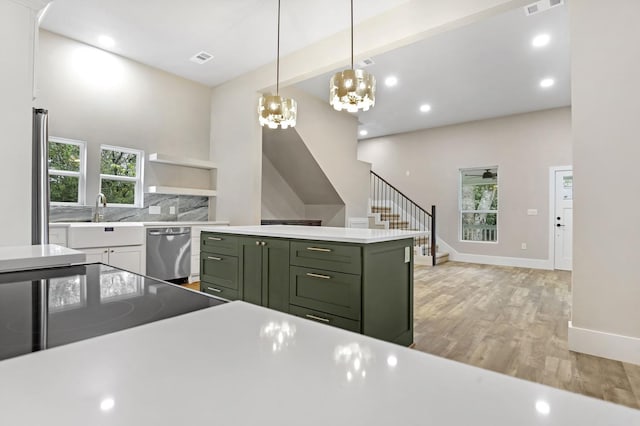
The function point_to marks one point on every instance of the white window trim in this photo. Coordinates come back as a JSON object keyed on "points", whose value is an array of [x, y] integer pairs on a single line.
{"points": [[461, 211], [139, 179], [81, 173]]}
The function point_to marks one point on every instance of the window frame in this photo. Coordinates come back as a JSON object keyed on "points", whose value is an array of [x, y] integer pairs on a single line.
{"points": [[461, 212], [81, 174], [138, 197]]}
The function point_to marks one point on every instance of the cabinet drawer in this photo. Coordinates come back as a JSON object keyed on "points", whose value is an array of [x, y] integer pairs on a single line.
{"points": [[219, 243], [325, 291], [321, 255], [219, 270], [218, 291], [324, 318]]}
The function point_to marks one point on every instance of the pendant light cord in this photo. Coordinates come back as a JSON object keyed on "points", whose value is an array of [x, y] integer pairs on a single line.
{"points": [[351, 34], [278, 55]]}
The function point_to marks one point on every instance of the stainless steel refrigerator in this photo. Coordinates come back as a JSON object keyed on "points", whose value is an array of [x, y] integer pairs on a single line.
{"points": [[40, 178]]}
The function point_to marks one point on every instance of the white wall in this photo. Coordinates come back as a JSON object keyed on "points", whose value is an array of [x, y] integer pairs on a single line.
{"points": [[103, 98], [279, 201], [605, 88], [16, 89], [522, 146], [235, 132]]}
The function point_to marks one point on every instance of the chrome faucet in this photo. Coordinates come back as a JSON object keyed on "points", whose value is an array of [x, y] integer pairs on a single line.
{"points": [[100, 199]]}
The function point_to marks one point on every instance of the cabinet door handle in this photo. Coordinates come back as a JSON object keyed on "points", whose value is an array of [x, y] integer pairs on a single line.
{"points": [[214, 258], [106, 251], [324, 250], [313, 317], [217, 290], [214, 238], [324, 277], [257, 243], [112, 251], [263, 243]]}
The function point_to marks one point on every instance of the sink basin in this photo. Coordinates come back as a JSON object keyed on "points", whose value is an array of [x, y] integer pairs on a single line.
{"points": [[105, 234]]}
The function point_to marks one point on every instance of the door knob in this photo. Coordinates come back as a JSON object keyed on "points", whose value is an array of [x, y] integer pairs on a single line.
{"points": [[263, 243], [257, 243]]}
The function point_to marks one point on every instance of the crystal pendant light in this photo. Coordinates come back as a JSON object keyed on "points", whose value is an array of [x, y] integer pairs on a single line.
{"points": [[352, 89], [274, 110]]}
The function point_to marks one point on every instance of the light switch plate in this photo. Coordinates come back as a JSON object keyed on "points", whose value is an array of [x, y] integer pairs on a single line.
{"points": [[532, 212], [172, 210], [407, 254], [155, 210]]}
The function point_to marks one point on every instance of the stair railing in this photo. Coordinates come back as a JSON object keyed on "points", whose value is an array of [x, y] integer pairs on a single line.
{"points": [[403, 213]]}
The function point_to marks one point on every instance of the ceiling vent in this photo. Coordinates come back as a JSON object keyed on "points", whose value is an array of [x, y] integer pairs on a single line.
{"points": [[541, 6], [365, 63], [201, 57]]}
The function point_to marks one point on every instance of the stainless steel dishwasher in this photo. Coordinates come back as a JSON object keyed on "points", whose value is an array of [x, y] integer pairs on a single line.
{"points": [[169, 253]]}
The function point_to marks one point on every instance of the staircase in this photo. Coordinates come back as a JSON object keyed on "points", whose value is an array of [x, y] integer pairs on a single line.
{"points": [[391, 209]]}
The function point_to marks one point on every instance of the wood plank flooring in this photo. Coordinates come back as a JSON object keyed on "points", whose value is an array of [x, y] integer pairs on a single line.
{"points": [[513, 321]]}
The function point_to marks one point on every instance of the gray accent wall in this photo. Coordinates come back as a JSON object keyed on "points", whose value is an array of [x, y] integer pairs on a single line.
{"points": [[187, 208]]}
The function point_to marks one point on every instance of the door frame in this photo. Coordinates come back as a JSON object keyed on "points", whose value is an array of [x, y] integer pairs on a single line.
{"points": [[552, 211]]}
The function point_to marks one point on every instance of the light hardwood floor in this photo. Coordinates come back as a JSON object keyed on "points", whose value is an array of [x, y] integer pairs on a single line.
{"points": [[513, 321]]}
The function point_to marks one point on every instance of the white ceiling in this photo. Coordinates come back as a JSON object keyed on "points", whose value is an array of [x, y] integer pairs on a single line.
{"points": [[487, 69], [241, 34]]}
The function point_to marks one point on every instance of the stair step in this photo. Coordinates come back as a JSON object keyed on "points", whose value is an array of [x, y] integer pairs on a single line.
{"points": [[442, 257], [389, 216], [380, 209], [398, 224]]}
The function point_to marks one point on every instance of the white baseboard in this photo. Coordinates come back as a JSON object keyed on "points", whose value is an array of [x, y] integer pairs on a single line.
{"points": [[519, 262], [605, 345]]}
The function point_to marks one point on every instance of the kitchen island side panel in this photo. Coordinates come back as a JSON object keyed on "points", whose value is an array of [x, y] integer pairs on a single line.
{"points": [[387, 291]]}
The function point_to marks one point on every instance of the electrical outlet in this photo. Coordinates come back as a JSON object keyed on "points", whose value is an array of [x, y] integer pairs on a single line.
{"points": [[523, 246], [172, 210], [532, 212], [155, 210]]}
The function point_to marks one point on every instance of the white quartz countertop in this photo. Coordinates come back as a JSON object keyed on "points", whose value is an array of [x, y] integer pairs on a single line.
{"points": [[38, 256], [322, 233], [134, 224], [240, 364]]}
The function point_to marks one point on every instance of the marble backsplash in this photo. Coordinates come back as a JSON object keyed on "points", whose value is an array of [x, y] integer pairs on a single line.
{"points": [[187, 208]]}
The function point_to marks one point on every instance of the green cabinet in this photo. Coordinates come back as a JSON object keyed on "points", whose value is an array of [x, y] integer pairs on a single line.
{"points": [[264, 271], [365, 288]]}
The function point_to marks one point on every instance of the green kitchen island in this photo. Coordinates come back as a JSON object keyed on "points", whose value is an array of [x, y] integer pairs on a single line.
{"points": [[356, 279]]}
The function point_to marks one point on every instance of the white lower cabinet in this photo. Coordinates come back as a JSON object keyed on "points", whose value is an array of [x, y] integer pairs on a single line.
{"points": [[127, 257]]}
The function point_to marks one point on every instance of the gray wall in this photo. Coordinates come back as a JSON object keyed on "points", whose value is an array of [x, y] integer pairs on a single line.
{"points": [[16, 45], [279, 200], [605, 88], [523, 146], [103, 98]]}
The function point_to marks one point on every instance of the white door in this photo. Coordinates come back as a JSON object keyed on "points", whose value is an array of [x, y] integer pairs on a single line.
{"points": [[127, 258], [563, 220], [96, 255]]}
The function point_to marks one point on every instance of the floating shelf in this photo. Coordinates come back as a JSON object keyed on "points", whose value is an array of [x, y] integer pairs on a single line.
{"points": [[156, 157], [181, 191]]}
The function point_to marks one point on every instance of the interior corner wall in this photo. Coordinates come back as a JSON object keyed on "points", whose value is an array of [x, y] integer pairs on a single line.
{"points": [[425, 165], [236, 139], [605, 84], [329, 214], [17, 23], [279, 201], [331, 138], [103, 98]]}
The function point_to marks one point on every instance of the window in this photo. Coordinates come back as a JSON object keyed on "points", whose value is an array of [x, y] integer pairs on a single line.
{"points": [[67, 170], [479, 204], [121, 175]]}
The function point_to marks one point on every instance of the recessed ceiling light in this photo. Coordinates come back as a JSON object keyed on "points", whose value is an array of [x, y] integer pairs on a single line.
{"points": [[391, 81], [541, 40], [106, 41], [363, 133], [547, 82], [425, 108]]}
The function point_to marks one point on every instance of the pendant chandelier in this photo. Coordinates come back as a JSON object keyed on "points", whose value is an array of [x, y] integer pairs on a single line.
{"points": [[352, 89], [274, 110]]}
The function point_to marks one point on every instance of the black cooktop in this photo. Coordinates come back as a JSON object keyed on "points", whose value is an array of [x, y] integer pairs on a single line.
{"points": [[44, 308]]}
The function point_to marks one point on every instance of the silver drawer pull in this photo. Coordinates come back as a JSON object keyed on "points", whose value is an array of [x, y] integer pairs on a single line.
{"points": [[313, 317], [214, 258], [324, 277], [214, 238], [217, 290], [324, 250]]}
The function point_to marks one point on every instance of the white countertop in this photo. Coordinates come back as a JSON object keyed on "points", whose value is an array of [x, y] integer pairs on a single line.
{"points": [[39, 256], [322, 233], [165, 223], [240, 364]]}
